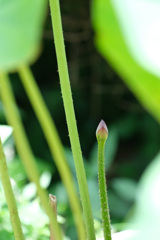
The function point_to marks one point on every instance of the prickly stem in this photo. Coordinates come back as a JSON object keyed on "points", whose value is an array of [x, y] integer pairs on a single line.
{"points": [[102, 135]]}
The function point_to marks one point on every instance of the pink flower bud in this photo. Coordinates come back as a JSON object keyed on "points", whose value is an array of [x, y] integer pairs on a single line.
{"points": [[102, 131]]}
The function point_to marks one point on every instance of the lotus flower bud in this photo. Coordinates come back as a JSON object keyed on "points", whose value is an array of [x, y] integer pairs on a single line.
{"points": [[102, 131]]}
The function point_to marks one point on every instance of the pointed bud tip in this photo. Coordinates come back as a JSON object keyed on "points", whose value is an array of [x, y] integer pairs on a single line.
{"points": [[102, 131]]}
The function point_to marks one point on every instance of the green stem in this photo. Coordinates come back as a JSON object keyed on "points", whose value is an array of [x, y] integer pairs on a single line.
{"points": [[103, 191], [24, 149], [10, 197], [70, 116], [54, 143]]}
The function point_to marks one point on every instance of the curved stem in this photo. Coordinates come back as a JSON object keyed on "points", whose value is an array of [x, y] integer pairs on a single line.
{"points": [[17, 229], [70, 116], [24, 149], [54, 143]]}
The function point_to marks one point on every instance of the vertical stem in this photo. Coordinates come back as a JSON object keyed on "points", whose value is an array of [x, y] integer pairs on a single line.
{"points": [[70, 116], [53, 204], [54, 143], [17, 229], [102, 134], [24, 149], [103, 192]]}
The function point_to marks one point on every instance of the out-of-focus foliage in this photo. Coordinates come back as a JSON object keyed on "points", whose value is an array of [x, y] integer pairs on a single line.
{"points": [[147, 208], [33, 218], [21, 25], [97, 93], [110, 41], [139, 21], [5, 132], [111, 44]]}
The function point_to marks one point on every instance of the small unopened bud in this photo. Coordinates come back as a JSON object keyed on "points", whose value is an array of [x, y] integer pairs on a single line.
{"points": [[102, 131]]}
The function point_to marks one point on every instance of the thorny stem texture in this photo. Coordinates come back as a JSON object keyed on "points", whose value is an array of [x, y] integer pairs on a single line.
{"points": [[54, 143], [24, 149], [70, 116], [17, 229], [103, 191]]}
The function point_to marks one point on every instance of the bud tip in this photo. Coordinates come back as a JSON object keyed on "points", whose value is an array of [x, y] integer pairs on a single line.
{"points": [[102, 131]]}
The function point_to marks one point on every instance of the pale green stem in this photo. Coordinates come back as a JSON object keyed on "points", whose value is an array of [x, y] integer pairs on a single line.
{"points": [[54, 143], [70, 116], [16, 225], [24, 149], [103, 191]]}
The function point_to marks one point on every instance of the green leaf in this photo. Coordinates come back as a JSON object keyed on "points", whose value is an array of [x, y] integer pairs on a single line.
{"points": [[21, 25], [110, 43], [5, 132], [125, 188], [139, 21], [118, 207], [147, 211]]}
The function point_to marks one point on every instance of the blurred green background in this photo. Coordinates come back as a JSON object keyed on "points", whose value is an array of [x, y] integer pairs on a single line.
{"points": [[99, 92]]}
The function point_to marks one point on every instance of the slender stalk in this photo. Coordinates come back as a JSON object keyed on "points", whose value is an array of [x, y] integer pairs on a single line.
{"points": [[53, 204], [24, 149], [102, 134], [16, 225], [54, 143], [70, 116]]}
